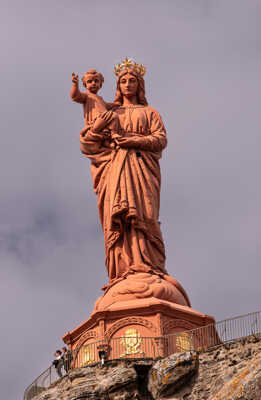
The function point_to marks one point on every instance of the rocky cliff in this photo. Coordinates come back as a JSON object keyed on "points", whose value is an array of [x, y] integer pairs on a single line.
{"points": [[227, 372]]}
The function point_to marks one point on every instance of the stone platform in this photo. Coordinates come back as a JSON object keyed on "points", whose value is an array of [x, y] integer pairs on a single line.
{"points": [[138, 307]]}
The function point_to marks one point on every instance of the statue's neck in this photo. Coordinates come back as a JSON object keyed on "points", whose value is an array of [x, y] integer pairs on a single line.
{"points": [[127, 101]]}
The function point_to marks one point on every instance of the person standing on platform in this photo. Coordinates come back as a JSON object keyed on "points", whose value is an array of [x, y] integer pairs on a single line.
{"points": [[58, 362], [67, 359]]}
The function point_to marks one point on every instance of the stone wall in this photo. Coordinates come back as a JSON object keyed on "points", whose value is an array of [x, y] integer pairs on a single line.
{"points": [[228, 372]]}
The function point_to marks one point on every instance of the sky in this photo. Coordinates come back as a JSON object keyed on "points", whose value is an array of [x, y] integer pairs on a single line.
{"points": [[203, 62]]}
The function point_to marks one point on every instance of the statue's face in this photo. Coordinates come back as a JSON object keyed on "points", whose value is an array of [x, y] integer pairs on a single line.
{"points": [[93, 83], [128, 85]]}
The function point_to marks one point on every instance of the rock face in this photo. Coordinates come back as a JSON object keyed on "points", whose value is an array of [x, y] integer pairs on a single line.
{"points": [[117, 381], [169, 374], [228, 372]]}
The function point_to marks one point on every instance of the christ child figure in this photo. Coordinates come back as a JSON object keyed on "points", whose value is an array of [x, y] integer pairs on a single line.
{"points": [[97, 114]]}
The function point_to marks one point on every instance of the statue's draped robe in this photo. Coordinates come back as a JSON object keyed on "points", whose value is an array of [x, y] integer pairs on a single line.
{"points": [[127, 183]]}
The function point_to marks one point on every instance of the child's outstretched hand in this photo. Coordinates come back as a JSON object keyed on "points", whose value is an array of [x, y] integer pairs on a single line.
{"points": [[75, 79]]}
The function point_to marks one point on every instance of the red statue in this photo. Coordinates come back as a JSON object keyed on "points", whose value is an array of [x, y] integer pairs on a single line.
{"points": [[124, 141]]}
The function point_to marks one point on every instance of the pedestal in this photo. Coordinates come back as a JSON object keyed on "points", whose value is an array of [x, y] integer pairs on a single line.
{"points": [[127, 326]]}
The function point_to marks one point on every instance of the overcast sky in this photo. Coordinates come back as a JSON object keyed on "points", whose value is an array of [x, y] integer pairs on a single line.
{"points": [[203, 60]]}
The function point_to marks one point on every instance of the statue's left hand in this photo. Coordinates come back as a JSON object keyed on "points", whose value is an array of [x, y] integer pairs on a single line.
{"points": [[128, 142]]}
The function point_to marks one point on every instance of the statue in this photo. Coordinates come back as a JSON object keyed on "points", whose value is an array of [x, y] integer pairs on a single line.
{"points": [[95, 111], [124, 141]]}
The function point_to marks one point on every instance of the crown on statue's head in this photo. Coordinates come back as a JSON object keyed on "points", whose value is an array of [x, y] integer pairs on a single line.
{"points": [[129, 64]]}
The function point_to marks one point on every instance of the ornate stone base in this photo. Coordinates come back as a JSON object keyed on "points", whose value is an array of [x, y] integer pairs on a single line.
{"points": [[121, 327], [142, 285]]}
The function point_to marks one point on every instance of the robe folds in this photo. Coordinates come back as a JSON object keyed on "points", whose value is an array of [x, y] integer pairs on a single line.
{"points": [[127, 183]]}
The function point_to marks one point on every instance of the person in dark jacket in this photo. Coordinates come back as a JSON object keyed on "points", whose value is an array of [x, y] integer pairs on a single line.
{"points": [[67, 358]]}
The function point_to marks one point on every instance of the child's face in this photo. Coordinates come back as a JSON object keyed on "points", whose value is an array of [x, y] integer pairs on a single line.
{"points": [[93, 84]]}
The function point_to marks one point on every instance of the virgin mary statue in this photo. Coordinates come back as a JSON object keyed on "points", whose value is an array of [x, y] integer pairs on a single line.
{"points": [[126, 178]]}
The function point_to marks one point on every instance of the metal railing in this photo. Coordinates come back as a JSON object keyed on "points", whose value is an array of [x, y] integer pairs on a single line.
{"points": [[41, 383], [239, 327], [137, 347], [131, 347]]}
